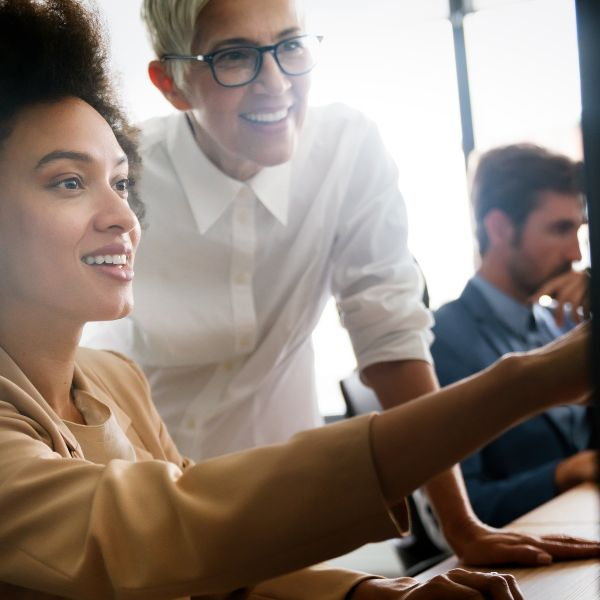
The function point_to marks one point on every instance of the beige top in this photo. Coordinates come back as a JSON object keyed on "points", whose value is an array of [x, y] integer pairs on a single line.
{"points": [[101, 438], [161, 527]]}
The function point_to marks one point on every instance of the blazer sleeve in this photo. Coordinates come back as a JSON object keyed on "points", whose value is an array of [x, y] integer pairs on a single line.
{"points": [[500, 501], [153, 530], [450, 364], [320, 582]]}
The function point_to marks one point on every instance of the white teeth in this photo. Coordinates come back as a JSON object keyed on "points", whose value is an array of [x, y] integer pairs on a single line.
{"points": [[108, 259], [267, 117]]}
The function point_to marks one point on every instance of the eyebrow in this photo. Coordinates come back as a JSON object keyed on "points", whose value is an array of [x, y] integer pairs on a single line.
{"points": [[247, 42], [70, 155]]}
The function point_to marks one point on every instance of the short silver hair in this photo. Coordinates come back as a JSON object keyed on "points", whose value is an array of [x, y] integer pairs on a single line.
{"points": [[171, 25]]}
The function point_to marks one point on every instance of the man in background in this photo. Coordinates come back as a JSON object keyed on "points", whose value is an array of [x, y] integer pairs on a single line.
{"points": [[528, 209]]}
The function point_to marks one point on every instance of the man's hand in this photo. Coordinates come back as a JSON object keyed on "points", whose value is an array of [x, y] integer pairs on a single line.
{"points": [[576, 469], [456, 584], [483, 545], [570, 291]]}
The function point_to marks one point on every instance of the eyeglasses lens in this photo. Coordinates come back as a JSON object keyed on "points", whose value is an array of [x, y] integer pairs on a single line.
{"points": [[298, 56], [239, 66]]}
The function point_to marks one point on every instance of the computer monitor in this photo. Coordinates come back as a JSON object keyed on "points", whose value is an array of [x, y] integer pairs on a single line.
{"points": [[588, 33]]}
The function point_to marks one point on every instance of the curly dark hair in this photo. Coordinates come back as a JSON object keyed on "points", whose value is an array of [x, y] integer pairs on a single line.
{"points": [[54, 49], [511, 179]]}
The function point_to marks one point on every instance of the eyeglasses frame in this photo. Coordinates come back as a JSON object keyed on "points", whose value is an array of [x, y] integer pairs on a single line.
{"points": [[272, 48]]}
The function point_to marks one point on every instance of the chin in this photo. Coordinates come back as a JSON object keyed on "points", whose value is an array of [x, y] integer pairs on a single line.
{"points": [[113, 313], [278, 157]]}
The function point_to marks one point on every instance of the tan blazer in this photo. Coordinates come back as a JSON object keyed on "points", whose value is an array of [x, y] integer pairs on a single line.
{"points": [[167, 528]]}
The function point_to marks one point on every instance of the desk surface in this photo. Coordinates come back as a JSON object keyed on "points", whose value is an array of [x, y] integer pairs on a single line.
{"points": [[576, 512]]}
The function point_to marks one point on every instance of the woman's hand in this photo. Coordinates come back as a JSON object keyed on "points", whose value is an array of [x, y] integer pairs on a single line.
{"points": [[560, 371], [482, 545], [453, 585]]}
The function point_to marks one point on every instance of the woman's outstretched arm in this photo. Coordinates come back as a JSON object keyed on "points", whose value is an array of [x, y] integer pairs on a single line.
{"points": [[415, 441]]}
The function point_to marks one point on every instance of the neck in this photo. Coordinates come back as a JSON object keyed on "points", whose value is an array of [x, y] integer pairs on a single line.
{"points": [[494, 272], [44, 349]]}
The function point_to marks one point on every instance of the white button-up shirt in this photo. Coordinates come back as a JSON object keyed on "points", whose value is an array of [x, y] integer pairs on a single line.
{"points": [[231, 278]]}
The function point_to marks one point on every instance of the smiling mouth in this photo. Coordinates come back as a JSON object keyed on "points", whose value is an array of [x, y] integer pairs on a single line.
{"points": [[106, 259], [266, 117]]}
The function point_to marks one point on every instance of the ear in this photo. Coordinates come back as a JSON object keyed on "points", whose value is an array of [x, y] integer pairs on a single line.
{"points": [[499, 227], [164, 82]]}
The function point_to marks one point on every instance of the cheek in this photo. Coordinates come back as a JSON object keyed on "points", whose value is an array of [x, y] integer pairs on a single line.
{"points": [[215, 105], [301, 86], [51, 241], [17, 232], [135, 236]]}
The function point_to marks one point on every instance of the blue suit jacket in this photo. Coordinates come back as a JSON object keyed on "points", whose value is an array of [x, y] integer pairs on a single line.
{"points": [[515, 473]]}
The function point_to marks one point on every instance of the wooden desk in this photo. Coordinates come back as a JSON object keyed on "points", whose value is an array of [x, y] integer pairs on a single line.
{"points": [[576, 512]]}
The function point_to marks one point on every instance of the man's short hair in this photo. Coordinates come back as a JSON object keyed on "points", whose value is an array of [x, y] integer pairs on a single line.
{"points": [[511, 179]]}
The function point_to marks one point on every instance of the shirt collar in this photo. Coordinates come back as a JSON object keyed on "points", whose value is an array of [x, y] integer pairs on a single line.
{"points": [[209, 191], [513, 314], [271, 186]]}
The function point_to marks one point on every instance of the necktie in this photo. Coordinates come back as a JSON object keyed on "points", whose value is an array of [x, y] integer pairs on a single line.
{"points": [[538, 333]]}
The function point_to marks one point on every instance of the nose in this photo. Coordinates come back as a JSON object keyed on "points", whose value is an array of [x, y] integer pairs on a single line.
{"points": [[271, 79], [114, 213]]}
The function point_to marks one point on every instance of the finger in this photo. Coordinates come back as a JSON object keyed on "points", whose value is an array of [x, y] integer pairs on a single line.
{"points": [[572, 291], [442, 587], [514, 588], [498, 586], [571, 280], [573, 298], [569, 292], [516, 553], [568, 539], [559, 314], [530, 550], [565, 550]]}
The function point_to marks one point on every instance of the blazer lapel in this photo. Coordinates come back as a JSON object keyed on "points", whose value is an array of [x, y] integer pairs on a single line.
{"points": [[503, 340], [496, 334], [97, 392], [28, 401]]}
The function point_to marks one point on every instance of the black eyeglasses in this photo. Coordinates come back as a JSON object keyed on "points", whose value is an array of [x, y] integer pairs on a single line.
{"points": [[237, 66]]}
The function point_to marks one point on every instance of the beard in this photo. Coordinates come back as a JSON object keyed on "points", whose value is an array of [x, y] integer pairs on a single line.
{"points": [[527, 277]]}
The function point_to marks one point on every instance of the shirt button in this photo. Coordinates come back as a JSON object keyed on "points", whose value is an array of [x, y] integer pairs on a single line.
{"points": [[241, 278], [227, 366], [245, 342], [190, 423]]}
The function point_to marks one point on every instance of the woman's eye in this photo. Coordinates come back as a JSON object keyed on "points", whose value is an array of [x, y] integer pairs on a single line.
{"points": [[123, 185], [291, 46], [234, 57], [71, 183]]}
